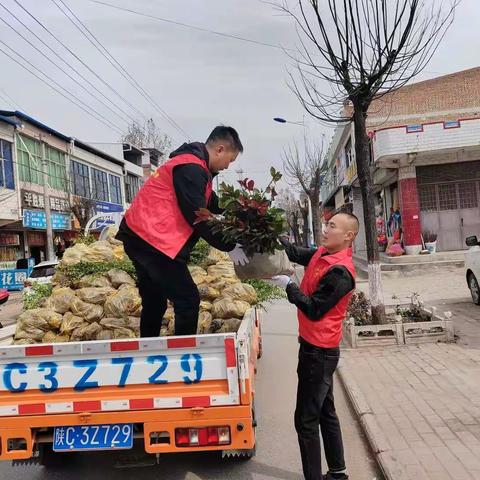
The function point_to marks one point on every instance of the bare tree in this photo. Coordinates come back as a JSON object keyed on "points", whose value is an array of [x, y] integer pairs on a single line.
{"points": [[147, 135], [354, 52], [286, 201], [307, 171], [84, 209]]}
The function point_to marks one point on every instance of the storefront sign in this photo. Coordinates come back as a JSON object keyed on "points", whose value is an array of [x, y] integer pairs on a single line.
{"points": [[13, 279], [37, 200], [105, 207], [37, 219], [9, 239]]}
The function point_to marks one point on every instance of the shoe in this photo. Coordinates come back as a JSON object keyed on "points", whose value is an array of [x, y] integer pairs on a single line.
{"points": [[341, 476]]}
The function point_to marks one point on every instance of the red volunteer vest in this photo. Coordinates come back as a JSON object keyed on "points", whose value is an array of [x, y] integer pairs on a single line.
{"points": [[155, 215], [326, 332]]}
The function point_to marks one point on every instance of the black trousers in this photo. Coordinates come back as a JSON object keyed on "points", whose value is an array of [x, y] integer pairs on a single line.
{"points": [[315, 407], [160, 279]]}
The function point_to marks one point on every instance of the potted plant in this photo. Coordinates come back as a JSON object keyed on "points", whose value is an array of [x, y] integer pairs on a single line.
{"points": [[251, 220], [430, 240]]}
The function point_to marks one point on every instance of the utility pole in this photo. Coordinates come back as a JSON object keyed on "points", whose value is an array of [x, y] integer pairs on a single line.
{"points": [[48, 213], [240, 173]]}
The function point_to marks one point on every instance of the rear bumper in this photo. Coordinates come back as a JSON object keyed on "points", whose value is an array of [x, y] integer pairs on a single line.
{"points": [[39, 429]]}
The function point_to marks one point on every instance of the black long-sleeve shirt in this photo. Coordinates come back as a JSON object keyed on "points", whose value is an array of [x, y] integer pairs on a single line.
{"points": [[190, 182], [332, 287]]}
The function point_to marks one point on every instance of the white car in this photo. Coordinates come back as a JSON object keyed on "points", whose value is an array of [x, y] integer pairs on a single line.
{"points": [[472, 268], [41, 273]]}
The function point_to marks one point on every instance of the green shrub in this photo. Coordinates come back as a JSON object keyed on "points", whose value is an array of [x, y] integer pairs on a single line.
{"points": [[265, 291], [82, 269], [35, 297], [199, 253]]}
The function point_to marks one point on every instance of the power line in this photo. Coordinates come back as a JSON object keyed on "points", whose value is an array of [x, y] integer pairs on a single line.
{"points": [[193, 27], [114, 62], [68, 65], [54, 63], [105, 121], [83, 62]]}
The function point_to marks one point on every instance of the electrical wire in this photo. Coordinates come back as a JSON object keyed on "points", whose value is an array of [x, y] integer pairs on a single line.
{"points": [[114, 62], [133, 107], [79, 105], [122, 118], [193, 27]]}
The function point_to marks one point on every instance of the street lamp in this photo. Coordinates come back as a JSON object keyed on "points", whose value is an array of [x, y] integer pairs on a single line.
{"points": [[282, 120], [303, 196]]}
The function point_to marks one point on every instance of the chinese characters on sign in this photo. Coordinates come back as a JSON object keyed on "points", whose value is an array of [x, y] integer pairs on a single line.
{"points": [[37, 219], [9, 239], [37, 200], [13, 279]]}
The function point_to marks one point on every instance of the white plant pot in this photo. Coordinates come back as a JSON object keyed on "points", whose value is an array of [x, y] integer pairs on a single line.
{"points": [[413, 249], [431, 246]]}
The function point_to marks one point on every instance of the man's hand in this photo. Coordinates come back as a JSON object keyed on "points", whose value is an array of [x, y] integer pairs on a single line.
{"points": [[237, 256], [280, 280]]}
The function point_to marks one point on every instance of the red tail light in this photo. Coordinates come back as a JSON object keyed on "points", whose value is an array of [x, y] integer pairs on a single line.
{"points": [[202, 437]]}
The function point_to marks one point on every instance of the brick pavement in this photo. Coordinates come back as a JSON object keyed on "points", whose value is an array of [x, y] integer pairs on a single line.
{"points": [[420, 408]]}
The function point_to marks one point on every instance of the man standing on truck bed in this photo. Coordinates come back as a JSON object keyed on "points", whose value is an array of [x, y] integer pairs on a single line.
{"points": [[158, 230], [322, 301]]}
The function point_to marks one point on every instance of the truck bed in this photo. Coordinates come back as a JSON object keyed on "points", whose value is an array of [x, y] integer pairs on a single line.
{"points": [[157, 384]]}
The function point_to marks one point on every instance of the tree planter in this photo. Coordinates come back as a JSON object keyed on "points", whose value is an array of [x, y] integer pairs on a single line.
{"points": [[265, 266], [413, 249], [439, 329]]}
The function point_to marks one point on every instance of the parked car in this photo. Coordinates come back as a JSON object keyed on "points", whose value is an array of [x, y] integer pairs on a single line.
{"points": [[41, 273], [472, 268]]}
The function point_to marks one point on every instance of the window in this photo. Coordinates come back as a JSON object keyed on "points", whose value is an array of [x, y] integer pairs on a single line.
{"points": [[348, 153], [132, 184], [100, 185], [80, 179], [414, 128], [115, 189], [57, 171], [6, 165], [29, 153]]}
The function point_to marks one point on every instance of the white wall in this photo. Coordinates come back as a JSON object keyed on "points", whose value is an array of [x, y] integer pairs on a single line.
{"points": [[396, 141]]}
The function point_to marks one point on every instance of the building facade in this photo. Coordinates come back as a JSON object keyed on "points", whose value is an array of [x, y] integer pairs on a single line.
{"points": [[425, 157], [77, 175]]}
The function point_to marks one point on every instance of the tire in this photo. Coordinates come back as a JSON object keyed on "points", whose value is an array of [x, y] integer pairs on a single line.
{"points": [[49, 459], [474, 288]]}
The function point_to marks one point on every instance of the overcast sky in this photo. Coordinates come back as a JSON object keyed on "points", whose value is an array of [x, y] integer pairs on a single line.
{"points": [[198, 78]]}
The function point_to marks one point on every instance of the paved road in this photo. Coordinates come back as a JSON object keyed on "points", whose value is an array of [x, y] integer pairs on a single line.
{"points": [[277, 456]]}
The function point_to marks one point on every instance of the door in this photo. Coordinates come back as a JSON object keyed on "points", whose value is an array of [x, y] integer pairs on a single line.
{"points": [[468, 193]]}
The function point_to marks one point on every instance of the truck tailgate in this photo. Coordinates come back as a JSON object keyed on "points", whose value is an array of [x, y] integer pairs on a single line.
{"points": [[142, 374]]}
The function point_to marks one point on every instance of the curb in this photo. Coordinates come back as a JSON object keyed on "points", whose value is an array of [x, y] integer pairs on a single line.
{"points": [[385, 456]]}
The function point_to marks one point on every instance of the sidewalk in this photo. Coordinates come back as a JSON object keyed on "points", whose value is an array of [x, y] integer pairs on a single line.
{"points": [[420, 408]]}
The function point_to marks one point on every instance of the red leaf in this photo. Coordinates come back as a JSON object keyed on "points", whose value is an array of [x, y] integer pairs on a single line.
{"points": [[250, 185]]}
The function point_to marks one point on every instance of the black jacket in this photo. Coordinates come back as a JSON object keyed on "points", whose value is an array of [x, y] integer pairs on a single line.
{"points": [[190, 182], [333, 286]]}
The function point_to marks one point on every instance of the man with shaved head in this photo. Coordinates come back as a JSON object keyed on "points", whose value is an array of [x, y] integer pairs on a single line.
{"points": [[322, 301]]}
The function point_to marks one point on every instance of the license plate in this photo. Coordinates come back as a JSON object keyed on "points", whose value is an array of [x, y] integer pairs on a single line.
{"points": [[93, 437]]}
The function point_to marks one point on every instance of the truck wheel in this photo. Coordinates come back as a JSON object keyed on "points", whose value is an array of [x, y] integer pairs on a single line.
{"points": [[48, 458]]}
